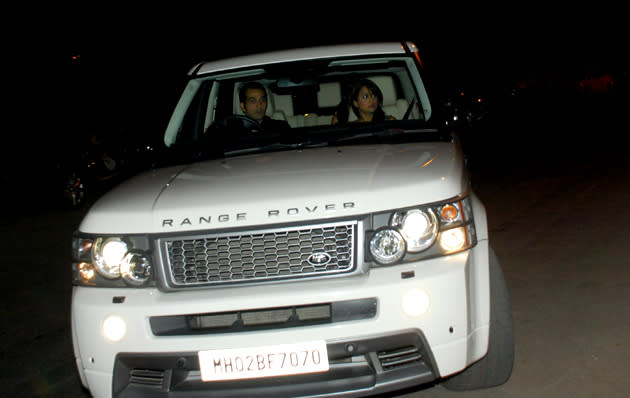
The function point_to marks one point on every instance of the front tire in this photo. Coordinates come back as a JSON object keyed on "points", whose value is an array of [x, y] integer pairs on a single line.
{"points": [[495, 368]]}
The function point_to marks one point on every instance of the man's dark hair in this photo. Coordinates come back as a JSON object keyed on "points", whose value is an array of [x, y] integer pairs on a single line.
{"points": [[242, 93]]}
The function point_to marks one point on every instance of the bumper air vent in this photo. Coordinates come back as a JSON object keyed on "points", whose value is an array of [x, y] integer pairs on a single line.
{"points": [[147, 378], [399, 357]]}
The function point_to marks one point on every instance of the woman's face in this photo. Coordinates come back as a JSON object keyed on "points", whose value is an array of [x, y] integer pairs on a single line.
{"points": [[367, 101]]}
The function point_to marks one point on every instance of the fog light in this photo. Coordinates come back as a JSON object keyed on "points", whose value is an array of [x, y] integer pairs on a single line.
{"points": [[114, 328], [453, 239], [415, 302]]}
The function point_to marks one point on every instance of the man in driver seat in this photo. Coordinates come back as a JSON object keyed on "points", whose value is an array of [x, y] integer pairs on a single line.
{"points": [[253, 99]]}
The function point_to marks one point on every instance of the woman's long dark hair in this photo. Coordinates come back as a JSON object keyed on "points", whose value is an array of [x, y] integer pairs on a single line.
{"points": [[352, 94], [379, 115]]}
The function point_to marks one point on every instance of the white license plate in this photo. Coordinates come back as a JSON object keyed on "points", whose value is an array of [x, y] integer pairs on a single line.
{"points": [[265, 361]]}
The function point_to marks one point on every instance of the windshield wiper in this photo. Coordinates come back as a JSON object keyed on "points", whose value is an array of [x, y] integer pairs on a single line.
{"points": [[273, 147], [342, 136], [380, 133], [371, 134], [262, 148]]}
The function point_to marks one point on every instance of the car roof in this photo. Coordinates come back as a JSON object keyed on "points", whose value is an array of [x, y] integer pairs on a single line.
{"points": [[302, 54]]}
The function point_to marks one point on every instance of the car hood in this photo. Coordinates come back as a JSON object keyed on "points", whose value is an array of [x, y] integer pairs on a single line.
{"points": [[281, 187]]}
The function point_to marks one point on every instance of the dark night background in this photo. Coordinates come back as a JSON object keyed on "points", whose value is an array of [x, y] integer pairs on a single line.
{"points": [[117, 73], [550, 156]]}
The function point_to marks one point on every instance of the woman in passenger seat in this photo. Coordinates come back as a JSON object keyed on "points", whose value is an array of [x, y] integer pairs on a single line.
{"points": [[365, 101]]}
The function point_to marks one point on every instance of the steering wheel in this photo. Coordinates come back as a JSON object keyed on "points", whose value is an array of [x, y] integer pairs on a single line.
{"points": [[239, 122]]}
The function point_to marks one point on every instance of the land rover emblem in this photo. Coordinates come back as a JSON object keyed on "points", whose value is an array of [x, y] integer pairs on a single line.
{"points": [[319, 259]]}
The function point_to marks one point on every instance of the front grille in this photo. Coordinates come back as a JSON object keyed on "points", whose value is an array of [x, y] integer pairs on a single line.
{"points": [[257, 256]]}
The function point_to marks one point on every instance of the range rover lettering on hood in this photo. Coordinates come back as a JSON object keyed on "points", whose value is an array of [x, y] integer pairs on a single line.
{"points": [[242, 216]]}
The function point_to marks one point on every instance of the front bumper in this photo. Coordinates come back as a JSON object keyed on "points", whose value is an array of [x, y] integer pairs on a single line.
{"points": [[358, 367], [449, 336]]}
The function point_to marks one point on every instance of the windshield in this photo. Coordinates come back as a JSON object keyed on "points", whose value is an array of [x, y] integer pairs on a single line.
{"points": [[300, 104]]}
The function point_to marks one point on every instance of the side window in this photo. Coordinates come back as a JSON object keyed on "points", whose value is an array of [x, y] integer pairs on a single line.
{"points": [[423, 105], [197, 116], [225, 96], [413, 106]]}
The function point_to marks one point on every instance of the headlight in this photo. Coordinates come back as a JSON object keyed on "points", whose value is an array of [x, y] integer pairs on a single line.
{"points": [[107, 255], [418, 227], [387, 246], [136, 269], [111, 261], [411, 234], [453, 239]]}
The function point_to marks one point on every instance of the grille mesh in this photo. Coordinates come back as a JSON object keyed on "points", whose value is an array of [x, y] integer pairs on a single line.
{"points": [[258, 256]]}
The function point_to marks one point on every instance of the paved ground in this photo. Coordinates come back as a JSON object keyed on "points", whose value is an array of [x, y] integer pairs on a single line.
{"points": [[36, 357], [562, 242], [560, 234]]}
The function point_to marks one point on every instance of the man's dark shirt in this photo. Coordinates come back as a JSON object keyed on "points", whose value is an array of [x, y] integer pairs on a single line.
{"points": [[274, 125]]}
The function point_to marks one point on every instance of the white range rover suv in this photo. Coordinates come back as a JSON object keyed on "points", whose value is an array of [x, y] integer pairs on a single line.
{"points": [[333, 248]]}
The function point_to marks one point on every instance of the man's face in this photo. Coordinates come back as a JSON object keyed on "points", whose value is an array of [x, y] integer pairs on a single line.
{"points": [[255, 104]]}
